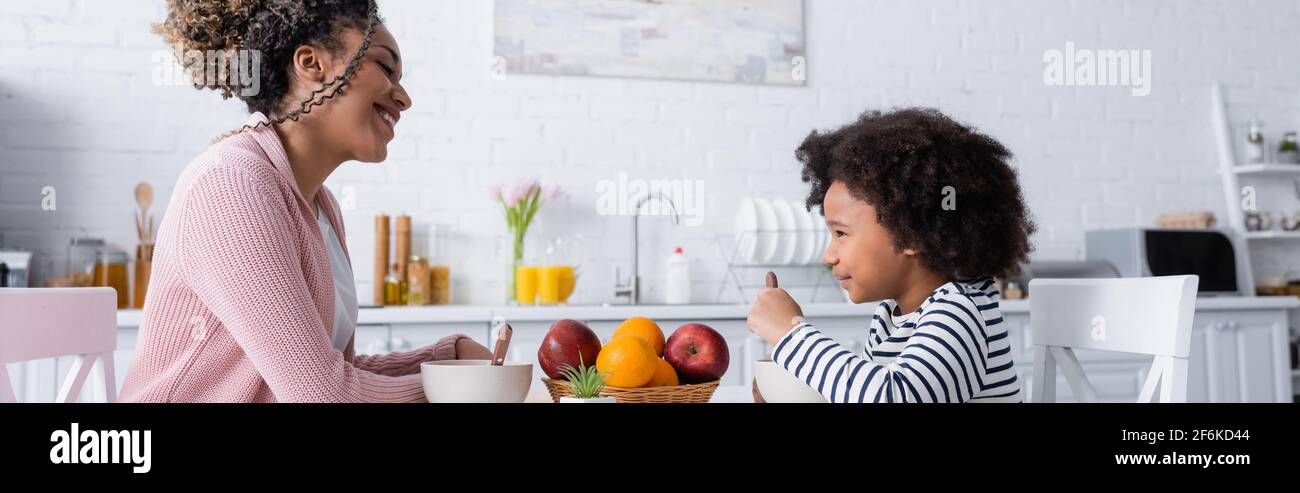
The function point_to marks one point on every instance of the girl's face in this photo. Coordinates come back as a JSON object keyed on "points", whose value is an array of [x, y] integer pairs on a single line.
{"points": [[861, 252], [361, 119]]}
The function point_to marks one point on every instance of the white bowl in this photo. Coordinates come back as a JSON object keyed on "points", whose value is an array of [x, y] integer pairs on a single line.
{"points": [[476, 380], [778, 385]]}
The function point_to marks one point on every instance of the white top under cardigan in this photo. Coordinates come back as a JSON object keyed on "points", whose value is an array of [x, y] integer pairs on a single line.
{"points": [[345, 288]]}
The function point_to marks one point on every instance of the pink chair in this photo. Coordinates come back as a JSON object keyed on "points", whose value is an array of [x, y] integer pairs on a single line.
{"points": [[40, 323]]}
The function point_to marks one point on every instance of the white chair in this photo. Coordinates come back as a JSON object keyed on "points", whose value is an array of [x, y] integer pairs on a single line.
{"points": [[40, 323], [1151, 315]]}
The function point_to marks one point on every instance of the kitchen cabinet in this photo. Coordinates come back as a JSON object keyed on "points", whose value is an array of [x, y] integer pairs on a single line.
{"points": [[406, 337], [1239, 357], [372, 339]]}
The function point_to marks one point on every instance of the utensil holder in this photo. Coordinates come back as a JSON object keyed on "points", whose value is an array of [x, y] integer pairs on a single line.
{"points": [[143, 265]]}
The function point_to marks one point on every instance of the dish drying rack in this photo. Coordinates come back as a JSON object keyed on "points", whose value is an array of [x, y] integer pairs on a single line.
{"points": [[730, 248]]}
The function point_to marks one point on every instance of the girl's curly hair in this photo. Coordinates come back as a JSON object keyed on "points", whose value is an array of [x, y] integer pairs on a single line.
{"points": [[274, 28], [903, 163]]}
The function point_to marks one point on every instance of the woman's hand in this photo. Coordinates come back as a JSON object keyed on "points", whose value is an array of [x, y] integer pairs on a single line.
{"points": [[467, 348], [773, 314]]}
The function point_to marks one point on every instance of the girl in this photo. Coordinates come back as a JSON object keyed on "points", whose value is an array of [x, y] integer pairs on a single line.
{"points": [[923, 213]]}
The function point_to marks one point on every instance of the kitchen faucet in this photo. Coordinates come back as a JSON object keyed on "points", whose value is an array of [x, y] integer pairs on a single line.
{"points": [[632, 290]]}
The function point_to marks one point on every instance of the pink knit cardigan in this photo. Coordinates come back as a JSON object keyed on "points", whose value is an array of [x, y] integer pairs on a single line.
{"points": [[241, 297]]}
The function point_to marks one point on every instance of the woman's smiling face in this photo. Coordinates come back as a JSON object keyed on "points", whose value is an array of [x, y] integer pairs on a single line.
{"points": [[363, 117]]}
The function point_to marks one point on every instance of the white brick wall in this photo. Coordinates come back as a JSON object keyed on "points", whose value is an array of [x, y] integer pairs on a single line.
{"points": [[78, 110]]}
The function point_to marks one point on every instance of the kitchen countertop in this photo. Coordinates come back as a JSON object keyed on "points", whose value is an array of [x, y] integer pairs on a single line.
{"points": [[482, 313]]}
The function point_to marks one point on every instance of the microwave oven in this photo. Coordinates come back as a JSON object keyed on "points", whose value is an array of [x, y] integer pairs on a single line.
{"points": [[1146, 252]]}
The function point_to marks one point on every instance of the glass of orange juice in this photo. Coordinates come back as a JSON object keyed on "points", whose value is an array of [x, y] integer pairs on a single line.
{"points": [[555, 284], [527, 278], [568, 281]]}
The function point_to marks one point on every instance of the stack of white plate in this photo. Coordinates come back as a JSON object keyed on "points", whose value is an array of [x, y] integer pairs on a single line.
{"points": [[778, 232]]}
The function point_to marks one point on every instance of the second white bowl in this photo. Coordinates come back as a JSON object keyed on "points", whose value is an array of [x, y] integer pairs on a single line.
{"points": [[778, 385]]}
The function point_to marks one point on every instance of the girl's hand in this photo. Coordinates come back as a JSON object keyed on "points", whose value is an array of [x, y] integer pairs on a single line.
{"points": [[467, 348], [773, 314]]}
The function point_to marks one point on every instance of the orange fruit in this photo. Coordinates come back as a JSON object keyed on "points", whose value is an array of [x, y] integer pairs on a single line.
{"points": [[665, 375], [646, 329], [627, 361]]}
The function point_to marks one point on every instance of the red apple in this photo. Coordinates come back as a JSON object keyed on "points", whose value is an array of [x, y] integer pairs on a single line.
{"points": [[698, 353], [569, 342]]}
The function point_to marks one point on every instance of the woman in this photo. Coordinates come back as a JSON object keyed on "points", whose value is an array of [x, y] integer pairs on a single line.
{"points": [[252, 297]]}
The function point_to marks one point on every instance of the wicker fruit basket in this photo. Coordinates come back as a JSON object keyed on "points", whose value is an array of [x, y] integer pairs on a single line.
{"points": [[698, 393]]}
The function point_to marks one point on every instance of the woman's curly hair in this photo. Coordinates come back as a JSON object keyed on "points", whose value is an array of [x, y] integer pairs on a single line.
{"points": [[275, 28], [902, 163]]}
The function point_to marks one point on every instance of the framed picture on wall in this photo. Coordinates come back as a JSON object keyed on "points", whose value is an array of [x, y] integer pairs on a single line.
{"points": [[753, 42]]}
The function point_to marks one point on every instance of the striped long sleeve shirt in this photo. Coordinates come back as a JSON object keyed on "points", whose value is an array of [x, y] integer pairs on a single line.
{"points": [[953, 348]]}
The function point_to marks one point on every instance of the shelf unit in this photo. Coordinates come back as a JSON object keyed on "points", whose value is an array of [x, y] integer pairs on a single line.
{"points": [[1233, 173], [1266, 169], [1272, 235]]}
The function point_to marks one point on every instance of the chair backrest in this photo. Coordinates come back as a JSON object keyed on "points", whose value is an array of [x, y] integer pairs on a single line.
{"points": [[39, 323], [1149, 315]]}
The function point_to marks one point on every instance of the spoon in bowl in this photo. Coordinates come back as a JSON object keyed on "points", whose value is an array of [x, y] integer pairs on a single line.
{"points": [[502, 345]]}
